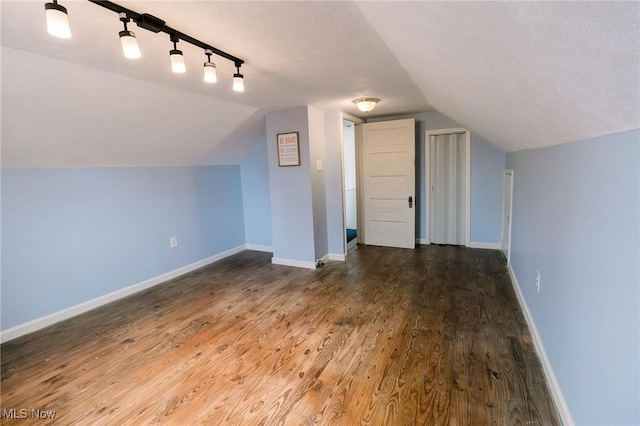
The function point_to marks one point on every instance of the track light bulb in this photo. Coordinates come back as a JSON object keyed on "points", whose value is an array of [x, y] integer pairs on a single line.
{"points": [[177, 61], [238, 82], [130, 46], [210, 75], [57, 20]]}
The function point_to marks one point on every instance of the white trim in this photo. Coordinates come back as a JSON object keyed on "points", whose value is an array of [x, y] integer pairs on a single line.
{"points": [[554, 387], [47, 320], [504, 181], [360, 219], [492, 246], [337, 256], [324, 258], [422, 241], [427, 139], [467, 236], [257, 247], [352, 118], [293, 262]]}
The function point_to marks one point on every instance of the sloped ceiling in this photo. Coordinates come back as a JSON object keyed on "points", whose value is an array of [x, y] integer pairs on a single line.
{"points": [[520, 74]]}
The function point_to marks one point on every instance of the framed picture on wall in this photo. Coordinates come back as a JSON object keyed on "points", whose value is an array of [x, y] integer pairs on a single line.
{"points": [[288, 149]]}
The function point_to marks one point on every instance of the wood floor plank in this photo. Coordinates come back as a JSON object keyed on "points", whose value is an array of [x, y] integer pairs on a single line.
{"points": [[431, 336]]}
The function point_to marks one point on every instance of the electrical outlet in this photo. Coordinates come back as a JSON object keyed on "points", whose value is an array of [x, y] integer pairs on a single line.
{"points": [[173, 242], [538, 281]]}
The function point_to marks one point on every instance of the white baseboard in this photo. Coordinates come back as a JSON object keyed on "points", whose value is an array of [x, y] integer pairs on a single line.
{"points": [[47, 320], [293, 262], [422, 241], [336, 256], [492, 246], [257, 247], [554, 387]]}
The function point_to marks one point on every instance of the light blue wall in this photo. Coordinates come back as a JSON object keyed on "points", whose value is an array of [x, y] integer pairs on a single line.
{"points": [[290, 188], [487, 173], [576, 210], [333, 181], [256, 196], [71, 235], [318, 186], [487, 168]]}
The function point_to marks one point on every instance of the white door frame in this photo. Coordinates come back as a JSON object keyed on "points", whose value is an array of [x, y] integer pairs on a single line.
{"points": [[508, 174], [427, 173], [355, 121]]}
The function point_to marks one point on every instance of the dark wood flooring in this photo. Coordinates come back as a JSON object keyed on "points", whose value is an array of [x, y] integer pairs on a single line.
{"points": [[432, 336]]}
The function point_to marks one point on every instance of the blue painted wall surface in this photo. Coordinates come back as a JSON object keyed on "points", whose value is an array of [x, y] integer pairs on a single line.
{"points": [[333, 181], [318, 183], [71, 235], [291, 190], [256, 196], [487, 163], [487, 173], [576, 210]]}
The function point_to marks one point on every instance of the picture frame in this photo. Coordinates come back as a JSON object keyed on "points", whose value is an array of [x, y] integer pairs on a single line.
{"points": [[288, 149]]}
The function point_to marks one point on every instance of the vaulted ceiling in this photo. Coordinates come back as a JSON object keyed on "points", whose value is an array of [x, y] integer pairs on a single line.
{"points": [[520, 74]]}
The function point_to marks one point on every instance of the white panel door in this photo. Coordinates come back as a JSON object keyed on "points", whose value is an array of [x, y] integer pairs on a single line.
{"points": [[389, 183], [507, 208]]}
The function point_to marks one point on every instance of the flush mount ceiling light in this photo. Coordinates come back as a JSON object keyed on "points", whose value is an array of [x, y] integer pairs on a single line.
{"points": [[58, 26], [57, 20], [366, 104]]}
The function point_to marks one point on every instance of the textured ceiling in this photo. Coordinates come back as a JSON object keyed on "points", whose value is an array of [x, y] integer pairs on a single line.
{"points": [[521, 74]]}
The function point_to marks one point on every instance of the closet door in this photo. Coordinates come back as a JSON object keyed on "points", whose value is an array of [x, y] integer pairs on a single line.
{"points": [[448, 178]]}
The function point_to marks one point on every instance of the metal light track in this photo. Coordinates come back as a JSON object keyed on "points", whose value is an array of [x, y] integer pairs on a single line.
{"points": [[156, 25]]}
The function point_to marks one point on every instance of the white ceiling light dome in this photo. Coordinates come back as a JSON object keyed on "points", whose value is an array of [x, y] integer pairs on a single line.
{"points": [[366, 104]]}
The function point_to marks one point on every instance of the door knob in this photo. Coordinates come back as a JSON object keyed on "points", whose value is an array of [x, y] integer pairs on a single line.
{"points": [[410, 202]]}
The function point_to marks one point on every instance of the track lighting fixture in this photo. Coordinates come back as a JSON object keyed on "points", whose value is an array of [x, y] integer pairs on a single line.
{"points": [[128, 40], [58, 25], [57, 20], [177, 60], [238, 80], [209, 68]]}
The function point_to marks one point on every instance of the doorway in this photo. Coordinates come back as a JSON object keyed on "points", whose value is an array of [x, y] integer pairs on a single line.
{"points": [[349, 187], [448, 178]]}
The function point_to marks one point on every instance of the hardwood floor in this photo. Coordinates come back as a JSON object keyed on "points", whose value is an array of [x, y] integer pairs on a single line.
{"points": [[390, 337]]}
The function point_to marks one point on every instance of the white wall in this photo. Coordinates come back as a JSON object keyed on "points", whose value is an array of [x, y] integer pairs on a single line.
{"points": [[59, 114]]}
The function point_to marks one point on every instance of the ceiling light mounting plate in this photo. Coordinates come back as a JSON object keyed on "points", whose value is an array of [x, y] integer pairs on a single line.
{"points": [[151, 23]]}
